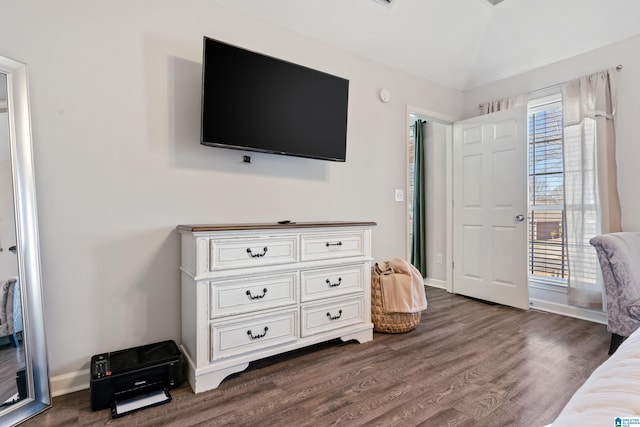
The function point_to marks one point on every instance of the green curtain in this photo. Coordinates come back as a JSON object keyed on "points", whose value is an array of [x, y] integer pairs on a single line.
{"points": [[419, 235]]}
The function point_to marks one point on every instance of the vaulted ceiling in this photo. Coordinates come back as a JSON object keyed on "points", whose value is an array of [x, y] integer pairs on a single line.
{"points": [[461, 44]]}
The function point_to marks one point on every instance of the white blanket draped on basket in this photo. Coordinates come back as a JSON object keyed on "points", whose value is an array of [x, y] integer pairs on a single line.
{"points": [[402, 287]]}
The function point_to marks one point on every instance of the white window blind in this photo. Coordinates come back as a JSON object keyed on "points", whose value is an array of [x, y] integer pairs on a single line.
{"points": [[547, 243]]}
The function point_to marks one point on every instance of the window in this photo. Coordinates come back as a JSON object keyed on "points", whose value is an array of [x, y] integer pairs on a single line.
{"points": [[547, 242]]}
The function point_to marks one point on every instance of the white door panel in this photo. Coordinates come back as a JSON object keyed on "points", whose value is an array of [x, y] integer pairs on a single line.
{"points": [[490, 191]]}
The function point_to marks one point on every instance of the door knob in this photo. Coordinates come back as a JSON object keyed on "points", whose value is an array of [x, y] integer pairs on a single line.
{"points": [[519, 218]]}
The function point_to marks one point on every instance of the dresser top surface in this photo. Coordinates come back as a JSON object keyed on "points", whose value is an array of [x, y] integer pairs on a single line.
{"points": [[194, 228]]}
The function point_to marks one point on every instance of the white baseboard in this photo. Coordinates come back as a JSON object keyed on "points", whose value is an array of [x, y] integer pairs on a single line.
{"points": [[569, 310], [68, 383], [435, 283]]}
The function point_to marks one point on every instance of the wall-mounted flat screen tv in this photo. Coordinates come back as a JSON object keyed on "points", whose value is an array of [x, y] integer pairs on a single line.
{"points": [[256, 102]]}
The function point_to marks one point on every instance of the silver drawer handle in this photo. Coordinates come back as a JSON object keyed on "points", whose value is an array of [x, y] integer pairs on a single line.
{"points": [[334, 317]]}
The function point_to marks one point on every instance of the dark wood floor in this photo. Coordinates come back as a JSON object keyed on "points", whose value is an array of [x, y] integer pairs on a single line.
{"points": [[11, 360], [467, 364]]}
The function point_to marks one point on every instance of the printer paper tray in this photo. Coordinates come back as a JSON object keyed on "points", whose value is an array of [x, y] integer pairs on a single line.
{"points": [[124, 407]]}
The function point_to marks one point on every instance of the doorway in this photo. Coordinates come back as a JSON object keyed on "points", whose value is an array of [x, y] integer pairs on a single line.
{"points": [[439, 197], [437, 142]]}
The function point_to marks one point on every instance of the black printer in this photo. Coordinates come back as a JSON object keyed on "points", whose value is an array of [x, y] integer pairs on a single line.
{"points": [[135, 378]]}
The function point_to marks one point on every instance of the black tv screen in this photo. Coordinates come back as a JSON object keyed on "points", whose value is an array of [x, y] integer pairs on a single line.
{"points": [[256, 102]]}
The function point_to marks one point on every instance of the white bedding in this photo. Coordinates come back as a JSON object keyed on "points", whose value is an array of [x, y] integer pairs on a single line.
{"points": [[612, 391]]}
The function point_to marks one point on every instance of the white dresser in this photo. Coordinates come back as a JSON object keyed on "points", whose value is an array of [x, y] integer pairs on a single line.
{"points": [[251, 291]]}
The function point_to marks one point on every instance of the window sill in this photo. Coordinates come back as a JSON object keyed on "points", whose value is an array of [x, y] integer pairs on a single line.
{"points": [[553, 285]]}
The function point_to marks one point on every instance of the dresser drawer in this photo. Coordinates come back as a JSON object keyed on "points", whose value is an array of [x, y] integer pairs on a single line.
{"points": [[326, 282], [255, 252], [332, 245], [331, 315], [244, 336], [251, 294]]}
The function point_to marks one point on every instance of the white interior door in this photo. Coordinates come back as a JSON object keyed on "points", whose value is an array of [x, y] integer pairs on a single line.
{"points": [[490, 207]]}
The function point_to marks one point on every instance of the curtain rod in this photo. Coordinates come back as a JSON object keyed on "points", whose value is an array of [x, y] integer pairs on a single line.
{"points": [[618, 68]]}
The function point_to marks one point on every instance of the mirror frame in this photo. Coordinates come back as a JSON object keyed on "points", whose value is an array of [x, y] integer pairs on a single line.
{"points": [[28, 246]]}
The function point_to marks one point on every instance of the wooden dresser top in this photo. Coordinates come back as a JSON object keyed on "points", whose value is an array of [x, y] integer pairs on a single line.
{"points": [[194, 228]]}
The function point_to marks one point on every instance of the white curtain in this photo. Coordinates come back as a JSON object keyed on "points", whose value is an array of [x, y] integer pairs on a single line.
{"points": [[592, 205], [502, 104]]}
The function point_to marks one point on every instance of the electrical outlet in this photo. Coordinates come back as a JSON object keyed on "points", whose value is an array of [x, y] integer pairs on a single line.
{"points": [[399, 195]]}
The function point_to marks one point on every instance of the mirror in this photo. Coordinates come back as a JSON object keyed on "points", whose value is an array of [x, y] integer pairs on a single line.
{"points": [[24, 373]]}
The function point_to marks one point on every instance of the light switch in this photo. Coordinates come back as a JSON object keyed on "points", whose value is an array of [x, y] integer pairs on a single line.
{"points": [[399, 195]]}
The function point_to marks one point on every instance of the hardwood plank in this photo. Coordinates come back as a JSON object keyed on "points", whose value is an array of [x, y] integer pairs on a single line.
{"points": [[11, 360], [468, 363]]}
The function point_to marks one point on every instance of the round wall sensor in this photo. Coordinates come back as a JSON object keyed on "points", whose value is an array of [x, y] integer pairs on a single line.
{"points": [[384, 95]]}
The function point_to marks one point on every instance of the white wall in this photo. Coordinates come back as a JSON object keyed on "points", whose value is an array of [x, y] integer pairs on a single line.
{"points": [[436, 209], [115, 92], [628, 146]]}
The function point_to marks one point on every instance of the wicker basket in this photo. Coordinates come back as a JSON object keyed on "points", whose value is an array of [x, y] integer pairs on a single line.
{"points": [[390, 323]]}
